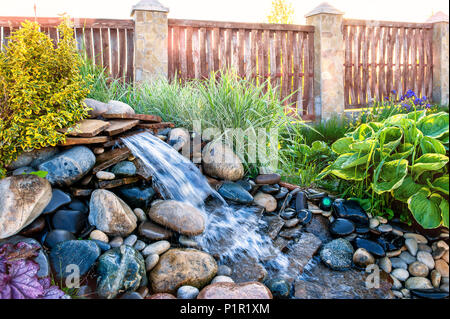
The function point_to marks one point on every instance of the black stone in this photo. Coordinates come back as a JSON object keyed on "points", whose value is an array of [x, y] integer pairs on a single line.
{"points": [[70, 220], [34, 228], [137, 196], [305, 216], [59, 199], [342, 227], [350, 209], [270, 189], [282, 193], [245, 185], [288, 213], [371, 246], [279, 288], [301, 201], [131, 295], [235, 192], [78, 205], [57, 236], [430, 293], [362, 230]]}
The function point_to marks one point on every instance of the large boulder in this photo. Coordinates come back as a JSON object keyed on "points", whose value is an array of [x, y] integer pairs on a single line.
{"points": [[220, 161], [69, 166], [96, 108], [120, 269], [181, 267], [229, 290], [22, 200], [82, 253], [117, 107], [110, 214], [178, 216]]}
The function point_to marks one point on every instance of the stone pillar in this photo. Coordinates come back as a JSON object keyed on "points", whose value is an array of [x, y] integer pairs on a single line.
{"points": [[150, 40], [328, 60], [440, 58]]}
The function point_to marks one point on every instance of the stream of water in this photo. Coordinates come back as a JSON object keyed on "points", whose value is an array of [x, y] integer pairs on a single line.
{"points": [[230, 232]]}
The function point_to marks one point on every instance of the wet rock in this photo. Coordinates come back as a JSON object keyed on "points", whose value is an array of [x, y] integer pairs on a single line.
{"points": [[180, 267], [274, 225], [130, 240], [23, 170], [177, 216], [363, 258], [288, 213], [245, 185], [152, 231], [246, 268], [438, 253], [23, 199], [110, 214], [305, 216], [224, 270], [426, 258], [371, 246], [120, 269], [430, 293], [139, 245], [418, 269], [279, 288], [270, 189], [268, 179], [187, 292], [57, 236], [82, 253], [342, 227], [34, 228], [161, 296], [235, 192], [291, 233], [131, 295], [223, 290], [117, 107], [124, 169], [70, 220], [385, 228], [292, 223], [116, 242], [79, 206], [324, 283], [140, 214], [419, 238], [220, 161], [102, 245], [436, 278], [68, 167], [178, 138], [418, 283], [281, 194], [188, 242], [265, 200], [157, 248], [337, 254], [319, 226], [59, 199], [351, 210], [41, 259]]}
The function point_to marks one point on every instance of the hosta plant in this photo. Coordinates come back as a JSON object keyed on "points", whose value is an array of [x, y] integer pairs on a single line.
{"points": [[18, 274], [401, 159]]}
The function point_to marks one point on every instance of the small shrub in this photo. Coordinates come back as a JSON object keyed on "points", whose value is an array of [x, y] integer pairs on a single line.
{"points": [[41, 90], [402, 159]]}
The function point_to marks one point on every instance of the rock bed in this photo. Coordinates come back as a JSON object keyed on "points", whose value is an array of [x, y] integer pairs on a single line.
{"points": [[136, 245]]}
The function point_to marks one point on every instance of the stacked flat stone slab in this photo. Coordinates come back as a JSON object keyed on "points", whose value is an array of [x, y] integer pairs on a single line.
{"points": [[329, 59], [150, 41]]}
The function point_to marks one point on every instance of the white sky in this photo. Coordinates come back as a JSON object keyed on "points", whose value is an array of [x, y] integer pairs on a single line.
{"points": [[228, 10]]}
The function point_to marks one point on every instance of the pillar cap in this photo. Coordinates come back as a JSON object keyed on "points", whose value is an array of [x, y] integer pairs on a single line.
{"points": [[149, 5], [438, 17], [324, 8]]}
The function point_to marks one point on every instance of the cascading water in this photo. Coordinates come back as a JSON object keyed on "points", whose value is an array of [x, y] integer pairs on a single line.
{"points": [[231, 232]]}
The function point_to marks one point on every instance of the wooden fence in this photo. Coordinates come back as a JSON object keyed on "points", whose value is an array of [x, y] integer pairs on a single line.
{"points": [[282, 54], [382, 57], [109, 43]]}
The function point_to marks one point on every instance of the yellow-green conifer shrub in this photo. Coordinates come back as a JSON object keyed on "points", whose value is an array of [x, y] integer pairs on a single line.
{"points": [[41, 90]]}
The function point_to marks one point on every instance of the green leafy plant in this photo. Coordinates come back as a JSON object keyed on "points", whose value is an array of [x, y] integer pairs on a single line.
{"points": [[41, 90], [401, 159], [41, 174]]}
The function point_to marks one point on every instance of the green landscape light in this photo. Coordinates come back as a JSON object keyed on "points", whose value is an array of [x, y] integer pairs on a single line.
{"points": [[325, 203]]}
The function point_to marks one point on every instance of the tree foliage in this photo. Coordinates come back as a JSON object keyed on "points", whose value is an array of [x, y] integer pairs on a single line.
{"points": [[282, 12]]}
